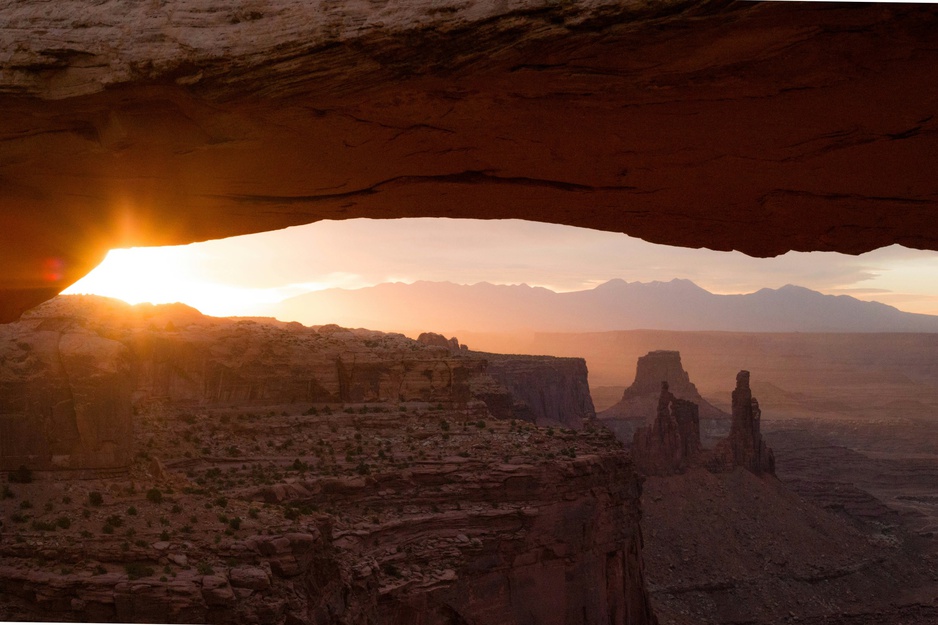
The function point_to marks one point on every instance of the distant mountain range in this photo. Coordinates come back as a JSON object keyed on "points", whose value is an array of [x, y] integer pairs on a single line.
{"points": [[614, 305]]}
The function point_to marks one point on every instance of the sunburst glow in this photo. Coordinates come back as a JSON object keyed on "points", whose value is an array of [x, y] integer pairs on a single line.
{"points": [[244, 275]]}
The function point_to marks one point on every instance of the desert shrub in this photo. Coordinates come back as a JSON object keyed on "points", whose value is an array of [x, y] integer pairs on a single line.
{"points": [[204, 568], [114, 520], [155, 495], [235, 523], [95, 498], [136, 570], [22, 475], [42, 526], [132, 511], [64, 522]]}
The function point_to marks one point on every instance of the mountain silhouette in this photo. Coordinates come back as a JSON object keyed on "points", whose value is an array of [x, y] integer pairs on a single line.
{"points": [[614, 305]]}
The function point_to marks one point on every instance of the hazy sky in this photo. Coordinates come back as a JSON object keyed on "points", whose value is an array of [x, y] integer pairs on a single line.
{"points": [[230, 277]]}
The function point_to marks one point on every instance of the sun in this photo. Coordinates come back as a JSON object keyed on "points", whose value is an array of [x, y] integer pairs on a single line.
{"points": [[162, 275]]}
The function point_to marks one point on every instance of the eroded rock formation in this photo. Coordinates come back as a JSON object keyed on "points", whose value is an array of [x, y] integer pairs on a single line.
{"points": [[761, 127], [369, 517], [672, 443], [641, 401], [545, 389], [73, 370], [744, 447], [432, 338]]}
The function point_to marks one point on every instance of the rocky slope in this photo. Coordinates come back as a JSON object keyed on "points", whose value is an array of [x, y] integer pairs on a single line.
{"points": [[736, 548], [73, 371], [358, 516], [273, 473]]}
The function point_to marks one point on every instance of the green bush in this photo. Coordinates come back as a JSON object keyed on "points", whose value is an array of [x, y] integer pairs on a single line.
{"points": [[154, 495], [95, 498]]}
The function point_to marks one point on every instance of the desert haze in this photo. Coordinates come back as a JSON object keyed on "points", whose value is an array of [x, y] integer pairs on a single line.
{"points": [[614, 305]]}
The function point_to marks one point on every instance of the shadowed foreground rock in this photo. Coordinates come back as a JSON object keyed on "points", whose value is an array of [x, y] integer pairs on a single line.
{"points": [[760, 127]]}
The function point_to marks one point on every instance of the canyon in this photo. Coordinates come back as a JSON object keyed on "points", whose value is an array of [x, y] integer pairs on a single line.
{"points": [[269, 472]]}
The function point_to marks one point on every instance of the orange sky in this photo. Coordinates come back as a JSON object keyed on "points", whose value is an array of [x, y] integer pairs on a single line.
{"points": [[234, 276]]}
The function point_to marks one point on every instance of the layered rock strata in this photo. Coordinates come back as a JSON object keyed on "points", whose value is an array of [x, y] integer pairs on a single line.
{"points": [[73, 371], [260, 518], [545, 389]]}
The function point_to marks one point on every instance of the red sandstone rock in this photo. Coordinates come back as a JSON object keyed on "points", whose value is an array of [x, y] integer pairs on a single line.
{"points": [[672, 443], [432, 338], [76, 365], [744, 447], [640, 401]]}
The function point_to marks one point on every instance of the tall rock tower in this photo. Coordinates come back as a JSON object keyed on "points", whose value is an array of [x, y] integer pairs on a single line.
{"points": [[744, 447]]}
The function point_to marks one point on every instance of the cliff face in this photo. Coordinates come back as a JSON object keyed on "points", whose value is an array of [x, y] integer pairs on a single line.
{"points": [[76, 367], [424, 520], [545, 389], [65, 396]]}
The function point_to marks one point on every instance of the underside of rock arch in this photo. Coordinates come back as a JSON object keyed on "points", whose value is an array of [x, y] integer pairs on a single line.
{"points": [[760, 127]]}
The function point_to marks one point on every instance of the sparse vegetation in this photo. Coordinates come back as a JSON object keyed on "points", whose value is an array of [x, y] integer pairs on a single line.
{"points": [[22, 475], [136, 570]]}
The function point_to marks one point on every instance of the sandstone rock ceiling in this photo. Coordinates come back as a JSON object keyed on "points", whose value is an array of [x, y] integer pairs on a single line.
{"points": [[757, 127]]}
